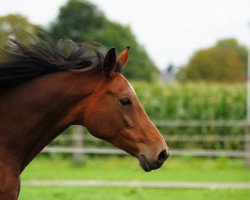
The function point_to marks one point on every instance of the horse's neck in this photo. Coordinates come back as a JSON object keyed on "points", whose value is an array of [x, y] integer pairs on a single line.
{"points": [[35, 113]]}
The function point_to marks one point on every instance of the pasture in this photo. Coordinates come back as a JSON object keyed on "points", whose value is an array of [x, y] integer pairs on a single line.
{"points": [[176, 169]]}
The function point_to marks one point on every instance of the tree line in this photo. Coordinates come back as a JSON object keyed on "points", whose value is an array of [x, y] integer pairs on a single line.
{"points": [[83, 21], [226, 61]]}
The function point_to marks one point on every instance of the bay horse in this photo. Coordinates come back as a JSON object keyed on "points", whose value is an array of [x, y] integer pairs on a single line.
{"points": [[43, 91]]}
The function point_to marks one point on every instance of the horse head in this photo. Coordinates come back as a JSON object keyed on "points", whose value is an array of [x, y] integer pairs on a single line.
{"points": [[114, 113]]}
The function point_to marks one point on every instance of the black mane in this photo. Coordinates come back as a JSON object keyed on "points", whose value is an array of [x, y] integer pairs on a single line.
{"points": [[20, 63]]}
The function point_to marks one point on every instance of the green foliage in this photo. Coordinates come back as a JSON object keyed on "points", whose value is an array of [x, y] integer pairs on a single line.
{"points": [[82, 21], [140, 66], [77, 20], [224, 62], [16, 27], [193, 100]]}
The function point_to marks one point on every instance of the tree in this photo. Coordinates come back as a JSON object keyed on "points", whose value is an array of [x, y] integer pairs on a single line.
{"points": [[16, 27], [226, 61], [76, 20], [82, 21]]}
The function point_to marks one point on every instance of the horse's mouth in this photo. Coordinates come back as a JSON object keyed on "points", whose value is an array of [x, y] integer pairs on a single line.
{"points": [[144, 163]]}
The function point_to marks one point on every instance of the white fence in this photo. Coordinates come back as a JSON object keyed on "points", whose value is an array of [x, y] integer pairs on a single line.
{"points": [[141, 184], [79, 149]]}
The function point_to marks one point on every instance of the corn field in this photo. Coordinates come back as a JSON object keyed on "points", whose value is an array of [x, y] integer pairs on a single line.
{"points": [[193, 100]]}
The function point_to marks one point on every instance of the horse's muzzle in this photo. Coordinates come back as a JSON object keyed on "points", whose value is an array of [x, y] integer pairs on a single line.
{"points": [[148, 165]]}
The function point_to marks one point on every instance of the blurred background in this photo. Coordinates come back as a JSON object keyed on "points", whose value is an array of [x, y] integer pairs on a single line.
{"points": [[188, 64]]}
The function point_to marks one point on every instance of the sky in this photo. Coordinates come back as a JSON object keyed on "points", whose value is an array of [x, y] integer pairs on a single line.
{"points": [[170, 30]]}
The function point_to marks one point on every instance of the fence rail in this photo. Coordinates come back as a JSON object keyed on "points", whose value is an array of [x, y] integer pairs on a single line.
{"points": [[178, 138], [212, 123], [112, 151], [78, 140], [144, 184]]}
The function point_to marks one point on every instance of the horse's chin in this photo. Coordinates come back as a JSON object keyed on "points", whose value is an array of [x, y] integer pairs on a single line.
{"points": [[144, 163]]}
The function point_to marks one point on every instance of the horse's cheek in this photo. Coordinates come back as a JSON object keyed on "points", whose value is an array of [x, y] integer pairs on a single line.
{"points": [[95, 124]]}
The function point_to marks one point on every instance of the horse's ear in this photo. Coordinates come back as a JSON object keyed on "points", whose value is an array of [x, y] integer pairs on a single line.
{"points": [[109, 63], [122, 59]]}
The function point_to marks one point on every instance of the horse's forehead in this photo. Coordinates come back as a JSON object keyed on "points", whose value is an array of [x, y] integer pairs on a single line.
{"points": [[121, 84]]}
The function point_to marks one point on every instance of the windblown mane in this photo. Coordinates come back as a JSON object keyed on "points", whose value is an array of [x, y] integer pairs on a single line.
{"points": [[20, 63]]}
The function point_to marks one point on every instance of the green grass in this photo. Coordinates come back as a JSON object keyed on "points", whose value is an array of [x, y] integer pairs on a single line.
{"points": [[127, 168], [98, 193]]}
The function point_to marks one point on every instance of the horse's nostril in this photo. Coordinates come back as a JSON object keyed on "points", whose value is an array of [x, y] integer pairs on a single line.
{"points": [[162, 156]]}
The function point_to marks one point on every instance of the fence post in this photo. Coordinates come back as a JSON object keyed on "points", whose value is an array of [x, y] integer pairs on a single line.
{"points": [[247, 134], [78, 158], [247, 145]]}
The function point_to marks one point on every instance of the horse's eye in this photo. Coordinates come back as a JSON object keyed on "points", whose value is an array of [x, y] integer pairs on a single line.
{"points": [[125, 102]]}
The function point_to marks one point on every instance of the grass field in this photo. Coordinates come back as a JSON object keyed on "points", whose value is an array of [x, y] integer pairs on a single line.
{"points": [[97, 193], [126, 168]]}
